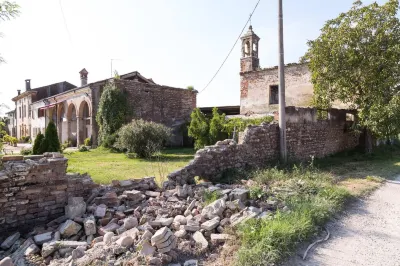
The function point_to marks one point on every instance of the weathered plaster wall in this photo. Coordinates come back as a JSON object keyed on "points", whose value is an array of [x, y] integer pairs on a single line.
{"points": [[306, 137], [255, 88]]}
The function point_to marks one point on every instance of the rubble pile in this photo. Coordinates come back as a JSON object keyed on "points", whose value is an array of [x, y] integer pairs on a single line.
{"points": [[142, 226]]}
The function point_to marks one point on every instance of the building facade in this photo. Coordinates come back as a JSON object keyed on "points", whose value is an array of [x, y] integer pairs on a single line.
{"points": [[74, 109], [11, 123], [259, 87]]}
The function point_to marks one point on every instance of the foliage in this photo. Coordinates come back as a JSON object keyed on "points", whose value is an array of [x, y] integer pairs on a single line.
{"points": [[207, 131], [209, 197], [217, 123], [37, 145], [190, 88], [142, 137], [355, 61], [240, 124], [83, 148], [26, 151], [199, 129], [87, 142], [257, 192], [110, 140], [112, 112], [312, 200], [50, 143], [8, 10]]}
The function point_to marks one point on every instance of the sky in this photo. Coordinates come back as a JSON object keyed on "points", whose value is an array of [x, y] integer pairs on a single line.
{"points": [[177, 43]]}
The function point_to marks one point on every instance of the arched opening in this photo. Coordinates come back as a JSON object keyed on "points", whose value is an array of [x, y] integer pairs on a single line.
{"points": [[247, 48], [85, 126], [72, 121]]}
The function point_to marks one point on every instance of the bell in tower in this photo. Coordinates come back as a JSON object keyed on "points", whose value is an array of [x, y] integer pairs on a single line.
{"points": [[249, 60]]}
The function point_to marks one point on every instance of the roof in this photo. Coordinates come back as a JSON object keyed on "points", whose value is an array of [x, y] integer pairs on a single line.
{"points": [[136, 76], [249, 33], [43, 91]]}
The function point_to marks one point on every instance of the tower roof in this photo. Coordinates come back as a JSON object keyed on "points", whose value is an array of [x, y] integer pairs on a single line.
{"points": [[250, 33]]}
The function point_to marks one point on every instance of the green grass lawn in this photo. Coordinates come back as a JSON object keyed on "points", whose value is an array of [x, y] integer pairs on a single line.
{"points": [[104, 165]]}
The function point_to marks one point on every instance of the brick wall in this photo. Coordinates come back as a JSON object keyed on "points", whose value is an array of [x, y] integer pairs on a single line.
{"points": [[33, 192], [169, 106], [306, 137]]}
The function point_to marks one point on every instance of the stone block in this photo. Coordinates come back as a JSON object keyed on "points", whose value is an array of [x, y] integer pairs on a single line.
{"points": [[10, 241], [76, 207], [43, 238], [90, 226], [69, 228]]}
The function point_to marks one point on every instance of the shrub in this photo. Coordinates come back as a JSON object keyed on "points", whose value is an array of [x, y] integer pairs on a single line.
{"points": [[26, 151], [51, 143], [112, 112], [142, 137], [83, 148], [199, 129], [109, 141], [88, 142], [37, 145], [26, 139]]}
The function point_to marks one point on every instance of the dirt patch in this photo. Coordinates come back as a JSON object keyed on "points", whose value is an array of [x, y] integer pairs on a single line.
{"points": [[360, 187]]}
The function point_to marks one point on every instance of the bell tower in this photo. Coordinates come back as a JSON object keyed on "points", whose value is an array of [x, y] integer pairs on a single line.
{"points": [[249, 60]]}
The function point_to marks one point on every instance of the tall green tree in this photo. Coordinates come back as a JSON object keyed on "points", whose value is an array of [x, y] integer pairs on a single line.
{"points": [[8, 10], [37, 145], [217, 124], [112, 112], [199, 129], [355, 60], [50, 143]]}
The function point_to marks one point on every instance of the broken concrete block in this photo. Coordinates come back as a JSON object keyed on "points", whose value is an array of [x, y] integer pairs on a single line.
{"points": [[6, 262], [111, 227], [153, 194], [214, 209], [69, 228], [199, 238], [100, 211], [76, 207], [10, 241], [239, 194], [90, 226], [191, 263], [147, 249], [125, 241], [43, 238], [210, 225], [31, 250], [180, 219], [130, 223], [220, 238]]}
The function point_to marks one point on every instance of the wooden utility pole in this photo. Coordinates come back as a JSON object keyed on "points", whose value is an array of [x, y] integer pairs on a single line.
{"points": [[282, 103]]}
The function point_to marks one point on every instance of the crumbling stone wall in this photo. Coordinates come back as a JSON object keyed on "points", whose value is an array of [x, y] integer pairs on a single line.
{"points": [[307, 137], [33, 192]]}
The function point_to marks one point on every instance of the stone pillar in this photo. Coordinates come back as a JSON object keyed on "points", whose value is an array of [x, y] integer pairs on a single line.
{"points": [[79, 132], [68, 130]]}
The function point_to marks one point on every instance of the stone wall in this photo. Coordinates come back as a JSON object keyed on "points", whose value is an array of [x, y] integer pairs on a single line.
{"points": [[306, 137], [33, 192], [167, 105]]}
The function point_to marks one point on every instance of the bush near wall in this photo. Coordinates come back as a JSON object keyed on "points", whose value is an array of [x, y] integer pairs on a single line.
{"points": [[207, 131], [142, 138]]}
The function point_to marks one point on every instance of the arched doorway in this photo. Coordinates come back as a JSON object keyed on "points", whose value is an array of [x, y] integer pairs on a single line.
{"points": [[85, 125], [72, 121]]}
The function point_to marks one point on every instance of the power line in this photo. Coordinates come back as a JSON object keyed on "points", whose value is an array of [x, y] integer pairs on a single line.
{"points": [[233, 47], [65, 23]]}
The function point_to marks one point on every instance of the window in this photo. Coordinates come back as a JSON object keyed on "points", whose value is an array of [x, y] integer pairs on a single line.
{"points": [[20, 113], [274, 94], [40, 113], [29, 111]]}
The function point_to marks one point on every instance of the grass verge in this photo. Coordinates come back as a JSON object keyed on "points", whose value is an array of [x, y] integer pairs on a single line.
{"points": [[312, 196], [104, 165]]}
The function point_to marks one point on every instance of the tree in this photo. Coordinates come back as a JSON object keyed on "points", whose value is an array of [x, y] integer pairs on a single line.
{"points": [[356, 60], [8, 10], [50, 143], [199, 129], [217, 124], [37, 145], [112, 112]]}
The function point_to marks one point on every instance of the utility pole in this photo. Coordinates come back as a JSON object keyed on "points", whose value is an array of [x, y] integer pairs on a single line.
{"points": [[282, 103]]}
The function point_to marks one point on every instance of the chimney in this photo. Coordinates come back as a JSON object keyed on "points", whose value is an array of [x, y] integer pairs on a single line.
{"points": [[28, 84], [84, 75], [19, 92]]}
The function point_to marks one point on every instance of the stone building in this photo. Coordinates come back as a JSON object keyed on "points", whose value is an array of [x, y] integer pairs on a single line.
{"points": [[74, 109], [259, 86], [25, 116], [10, 127]]}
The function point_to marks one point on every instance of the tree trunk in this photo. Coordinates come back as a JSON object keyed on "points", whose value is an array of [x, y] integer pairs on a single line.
{"points": [[368, 141]]}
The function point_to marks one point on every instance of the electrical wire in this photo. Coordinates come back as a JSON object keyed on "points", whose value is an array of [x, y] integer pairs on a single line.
{"points": [[65, 23], [233, 47]]}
